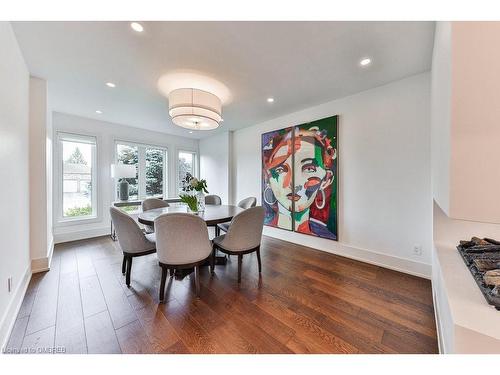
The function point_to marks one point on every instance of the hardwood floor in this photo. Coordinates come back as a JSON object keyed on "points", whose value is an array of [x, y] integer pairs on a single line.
{"points": [[305, 301]]}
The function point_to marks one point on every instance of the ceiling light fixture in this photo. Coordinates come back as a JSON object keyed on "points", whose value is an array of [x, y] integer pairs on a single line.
{"points": [[136, 26], [194, 109], [110, 84], [366, 61], [270, 100], [98, 112]]}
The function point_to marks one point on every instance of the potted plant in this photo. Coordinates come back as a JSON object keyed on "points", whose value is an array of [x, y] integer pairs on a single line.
{"points": [[190, 184]]}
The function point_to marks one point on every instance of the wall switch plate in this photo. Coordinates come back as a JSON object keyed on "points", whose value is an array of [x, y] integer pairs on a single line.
{"points": [[9, 284], [417, 249]]}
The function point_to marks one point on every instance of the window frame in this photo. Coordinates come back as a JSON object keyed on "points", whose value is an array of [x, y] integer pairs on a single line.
{"points": [[141, 168], [195, 167], [61, 136]]}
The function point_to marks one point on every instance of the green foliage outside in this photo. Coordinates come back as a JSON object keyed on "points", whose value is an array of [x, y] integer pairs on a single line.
{"points": [[78, 211], [154, 172], [154, 169]]}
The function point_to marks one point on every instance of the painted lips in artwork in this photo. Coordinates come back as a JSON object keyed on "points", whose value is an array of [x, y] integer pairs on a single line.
{"points": [[299, 178]]}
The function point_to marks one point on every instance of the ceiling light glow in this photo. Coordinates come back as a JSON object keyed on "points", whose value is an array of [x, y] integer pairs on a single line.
{"points": [[270, 100], [136, 26], [98, 112], [110, 84], [366, 61]]}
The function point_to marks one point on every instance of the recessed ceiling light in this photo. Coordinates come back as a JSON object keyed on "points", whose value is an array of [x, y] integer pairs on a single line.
{"points": [[366, 61], [136, 26], [191, 132], [98, 112], [110, 84], [270, 100]]}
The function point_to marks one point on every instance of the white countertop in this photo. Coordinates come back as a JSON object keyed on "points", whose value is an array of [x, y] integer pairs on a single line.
{"points": [[468, 306]]}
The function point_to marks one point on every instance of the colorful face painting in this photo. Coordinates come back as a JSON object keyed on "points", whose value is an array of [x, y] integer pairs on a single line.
{"points": [[299, 178]]}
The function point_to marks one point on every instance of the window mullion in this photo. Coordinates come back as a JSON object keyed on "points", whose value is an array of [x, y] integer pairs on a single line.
{"points": [[142, 171]]}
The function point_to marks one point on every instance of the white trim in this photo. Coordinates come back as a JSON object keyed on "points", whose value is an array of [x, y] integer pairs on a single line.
{"points": [[439, 328], [9, 318], [81, 234], [392, 262], [43, 264]]}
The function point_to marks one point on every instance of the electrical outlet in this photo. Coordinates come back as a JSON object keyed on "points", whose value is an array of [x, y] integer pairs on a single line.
{"points": [[417, 249], [9, 284]]}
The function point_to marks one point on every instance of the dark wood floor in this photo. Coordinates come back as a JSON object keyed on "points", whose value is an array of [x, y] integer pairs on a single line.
{"points": [[305, 301]]}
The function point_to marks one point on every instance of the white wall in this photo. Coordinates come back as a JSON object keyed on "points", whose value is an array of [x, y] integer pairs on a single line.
{"points": [[215, 164], [440, 115], [106, 134], [14, 174], [41, 242], [385, 205]]}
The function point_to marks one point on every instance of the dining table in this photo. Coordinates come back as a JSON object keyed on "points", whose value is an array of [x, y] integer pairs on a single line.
{"points": [[212, 215]]}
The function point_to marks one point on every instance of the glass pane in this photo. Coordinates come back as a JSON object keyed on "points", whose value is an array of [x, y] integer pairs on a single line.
{"points": [[186, 165], [126, 154], [154, 171], [77, 179]]}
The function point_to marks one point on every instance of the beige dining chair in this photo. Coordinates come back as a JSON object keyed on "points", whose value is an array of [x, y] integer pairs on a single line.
{"points": [[243, 236], [151, 204], [213, 199], [182, 242], [133, 241], [245, 204]]}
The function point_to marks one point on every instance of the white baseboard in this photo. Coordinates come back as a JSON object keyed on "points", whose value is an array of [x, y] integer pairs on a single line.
{"points": [[439, 328], [392, 262], [80, 234], [43, 264], [13, 307]]}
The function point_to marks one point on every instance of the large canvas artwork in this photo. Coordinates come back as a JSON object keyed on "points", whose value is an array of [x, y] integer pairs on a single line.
{"points": [[299, 178]]}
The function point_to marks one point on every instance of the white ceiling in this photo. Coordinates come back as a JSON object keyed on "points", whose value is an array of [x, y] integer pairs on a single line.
{"points": [[300, 64]]}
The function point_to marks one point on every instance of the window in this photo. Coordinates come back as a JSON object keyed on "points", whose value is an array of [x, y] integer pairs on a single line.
{"points": [[187, 164], [151, 166], [127, 154], [77, 157]]}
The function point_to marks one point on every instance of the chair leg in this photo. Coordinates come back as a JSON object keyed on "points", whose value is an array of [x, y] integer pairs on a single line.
{"points": [[129, 271], [124, 265], [172, 272], [197, 280], [240, 261], [164, 272], [212, 262], [217, 231], [258, 259]]}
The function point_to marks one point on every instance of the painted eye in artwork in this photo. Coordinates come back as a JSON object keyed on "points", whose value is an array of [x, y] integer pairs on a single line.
{"points": [[281, 169], [309, 168]]}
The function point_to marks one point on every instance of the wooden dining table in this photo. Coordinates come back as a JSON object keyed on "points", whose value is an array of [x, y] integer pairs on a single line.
{"points": [[213, 215]]}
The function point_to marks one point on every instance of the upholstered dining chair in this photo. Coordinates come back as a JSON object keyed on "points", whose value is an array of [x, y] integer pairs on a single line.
{"points": [[151, 204], [243, 236], [182, 242], [133, 241], [244, 203], [213, 199]]}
